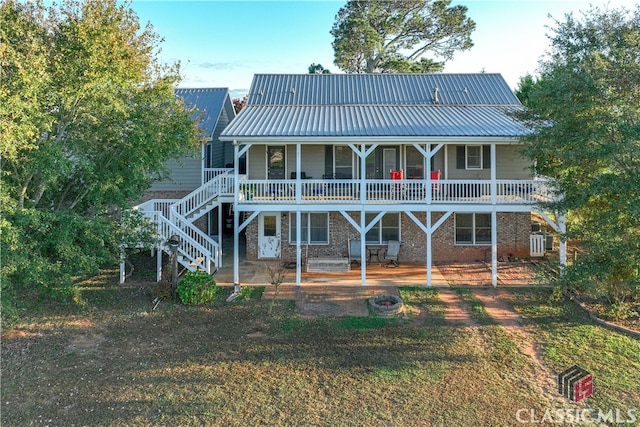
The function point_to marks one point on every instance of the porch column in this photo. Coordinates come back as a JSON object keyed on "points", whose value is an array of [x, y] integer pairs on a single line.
{"points": [[562, 225], [220, 209], [429, 245], [298, 247], [236, 218], [159, 265], [122, 275], [494, 184], [363, 248], [494, 247], [298, 185]]}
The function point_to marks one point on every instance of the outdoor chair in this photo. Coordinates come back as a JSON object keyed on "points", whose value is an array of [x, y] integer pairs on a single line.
{"points": [[355, 254], [393, 252]]}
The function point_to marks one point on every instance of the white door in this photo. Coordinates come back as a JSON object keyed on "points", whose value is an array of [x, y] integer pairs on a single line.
{"points": [[269, 235]]}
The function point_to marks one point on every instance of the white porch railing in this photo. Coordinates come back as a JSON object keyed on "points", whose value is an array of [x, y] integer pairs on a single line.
{"points": [[209, 173], [191, 255], [196, 235], [385, 191]]}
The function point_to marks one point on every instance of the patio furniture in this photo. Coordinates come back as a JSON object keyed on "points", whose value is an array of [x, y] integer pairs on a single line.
{"points": [[355, 254], [393, 252]]}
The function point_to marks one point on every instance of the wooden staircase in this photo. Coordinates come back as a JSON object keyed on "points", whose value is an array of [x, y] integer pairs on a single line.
{"points": [[197, 251]]}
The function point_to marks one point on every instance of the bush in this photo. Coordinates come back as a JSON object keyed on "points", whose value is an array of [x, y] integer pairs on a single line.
{"points": [[197, 287]]}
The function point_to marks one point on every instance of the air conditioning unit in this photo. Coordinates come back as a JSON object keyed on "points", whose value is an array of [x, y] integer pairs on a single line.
{"points": [[535, 227], [548, 242]]}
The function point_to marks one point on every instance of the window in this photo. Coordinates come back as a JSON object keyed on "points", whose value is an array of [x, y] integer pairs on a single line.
{"points": [[344, 162], [388, 228], [314, 227], [473, 157], [473, 229]]}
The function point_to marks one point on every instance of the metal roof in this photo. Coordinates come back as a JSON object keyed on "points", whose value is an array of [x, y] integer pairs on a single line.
{"points": [[208, 101], [357, 105]]}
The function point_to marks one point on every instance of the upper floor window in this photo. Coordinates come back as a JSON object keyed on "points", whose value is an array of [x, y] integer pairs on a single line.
{"points": [[473, 157]]}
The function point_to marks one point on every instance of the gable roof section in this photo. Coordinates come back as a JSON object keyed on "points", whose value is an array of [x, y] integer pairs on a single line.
{"points": [[377, 105], [210, 102]]}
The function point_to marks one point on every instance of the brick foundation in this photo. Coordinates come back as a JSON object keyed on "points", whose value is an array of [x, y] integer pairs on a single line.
{"points": [[513, 239]]}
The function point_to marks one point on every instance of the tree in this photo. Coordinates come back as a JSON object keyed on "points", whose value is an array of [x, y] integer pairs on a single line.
{"points": [[87, 119], [318, 69], [584, 110], [392, 36], [239, 103]]}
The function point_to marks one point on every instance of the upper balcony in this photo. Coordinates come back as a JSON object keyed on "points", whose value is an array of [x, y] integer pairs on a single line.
{"points": [[313, 191]]}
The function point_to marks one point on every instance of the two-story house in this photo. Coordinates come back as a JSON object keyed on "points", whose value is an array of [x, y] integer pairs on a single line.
{"points": [[326, 163], [430, 160]]}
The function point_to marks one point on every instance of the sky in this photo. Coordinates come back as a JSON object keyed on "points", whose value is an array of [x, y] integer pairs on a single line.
{"points": [[224, 43]]}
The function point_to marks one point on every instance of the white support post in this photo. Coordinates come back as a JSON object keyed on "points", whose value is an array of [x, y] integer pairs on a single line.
{"points": [[429, 249], [363, 174], [220, 210], [494, 248], [298, 183], [494, 183], [159, 265], [562, 225], [122, 267], [363, 249], [236, 219], [298, 247], [429, 186]]}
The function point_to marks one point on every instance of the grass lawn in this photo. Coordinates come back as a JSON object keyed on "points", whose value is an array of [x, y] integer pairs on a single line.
{"points": [[113, 361]]}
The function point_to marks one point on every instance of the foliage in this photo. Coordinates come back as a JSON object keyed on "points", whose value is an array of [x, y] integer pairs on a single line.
{"points": [[238, 103], [318, 69], [248, 293], [87, 119], [197, 287], [392, 36], [584, 111]]}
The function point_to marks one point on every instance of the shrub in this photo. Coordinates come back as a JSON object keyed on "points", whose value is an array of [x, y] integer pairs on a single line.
{"points": [[197, 287]]}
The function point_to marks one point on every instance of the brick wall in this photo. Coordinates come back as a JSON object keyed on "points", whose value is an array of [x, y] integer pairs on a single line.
{"points": [[513, 238]]}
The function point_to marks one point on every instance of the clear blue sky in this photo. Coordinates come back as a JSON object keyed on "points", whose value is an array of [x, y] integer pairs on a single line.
{"points": [[224, 43]]}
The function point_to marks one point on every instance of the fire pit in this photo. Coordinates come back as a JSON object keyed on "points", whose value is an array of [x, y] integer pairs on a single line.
{"points": [[386, 305]]}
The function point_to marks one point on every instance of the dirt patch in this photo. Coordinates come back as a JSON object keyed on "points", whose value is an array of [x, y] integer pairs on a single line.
{"points": [[472, 273], [498, 308], [337, 301], [518, 273], [455, 312]]}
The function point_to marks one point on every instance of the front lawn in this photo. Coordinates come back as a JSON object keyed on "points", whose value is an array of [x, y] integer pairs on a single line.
{"points": [[115, 361]]}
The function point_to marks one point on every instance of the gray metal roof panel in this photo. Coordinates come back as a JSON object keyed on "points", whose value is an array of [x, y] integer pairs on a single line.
{"points": [[374, 120], [209, 101], [380, 89]]}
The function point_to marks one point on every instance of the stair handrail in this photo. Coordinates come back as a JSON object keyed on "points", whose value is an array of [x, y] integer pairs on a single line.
{"points": [[197, 235], [203, 194]]}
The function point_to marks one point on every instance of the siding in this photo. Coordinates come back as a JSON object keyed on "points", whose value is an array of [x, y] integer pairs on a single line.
{"points": [[256, 162], [185, 177], [510, 165]]}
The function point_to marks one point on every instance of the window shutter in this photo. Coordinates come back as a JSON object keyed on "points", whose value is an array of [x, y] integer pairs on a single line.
{"points": [[486, 157], [460, 153], [328, 160]]}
